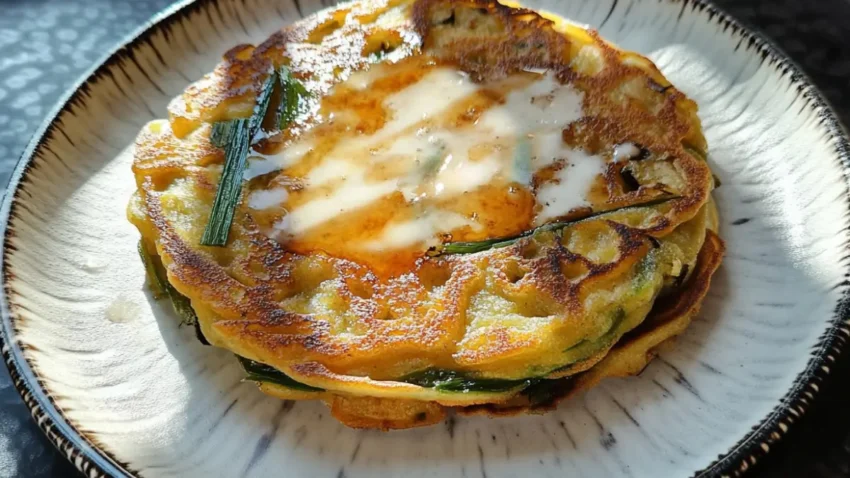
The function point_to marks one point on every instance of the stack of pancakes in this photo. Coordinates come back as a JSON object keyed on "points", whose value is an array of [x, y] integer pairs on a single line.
{"points": [[475, 207]]}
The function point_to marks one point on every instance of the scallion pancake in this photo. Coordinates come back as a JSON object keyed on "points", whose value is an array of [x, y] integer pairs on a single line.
{"points": [[442, 204]]}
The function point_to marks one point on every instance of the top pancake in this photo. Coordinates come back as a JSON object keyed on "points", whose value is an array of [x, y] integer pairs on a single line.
{"points": [[431, 122]]}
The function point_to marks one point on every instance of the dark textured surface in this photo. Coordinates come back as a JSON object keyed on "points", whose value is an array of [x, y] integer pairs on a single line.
{"points": [[45, 45]]}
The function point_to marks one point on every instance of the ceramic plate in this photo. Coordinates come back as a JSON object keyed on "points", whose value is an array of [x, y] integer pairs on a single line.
{"points": [[140, 396]]}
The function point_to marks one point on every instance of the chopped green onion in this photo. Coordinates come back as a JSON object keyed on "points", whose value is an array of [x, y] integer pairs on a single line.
{"points": [[478, 246], [585, 349], [158, 280], [381, 54], [456, 382], [544, 392], [221, 133], [230, 187], [260, 372], [235, 137], [183, 306], [292, 91], [262, 105]]}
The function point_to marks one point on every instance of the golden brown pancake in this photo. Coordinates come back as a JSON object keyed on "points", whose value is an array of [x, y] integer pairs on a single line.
{"points": [[471, 206]]}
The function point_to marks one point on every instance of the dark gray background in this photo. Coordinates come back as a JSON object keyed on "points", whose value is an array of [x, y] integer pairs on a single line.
{"points": [[45, 45]]}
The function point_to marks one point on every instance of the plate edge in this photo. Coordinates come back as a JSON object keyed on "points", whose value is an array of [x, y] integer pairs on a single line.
{"points": [[94, 462], [831, 344], [88, 458]]}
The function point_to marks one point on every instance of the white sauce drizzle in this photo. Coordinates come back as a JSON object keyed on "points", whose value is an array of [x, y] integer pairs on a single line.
{"points": [[259, 164], [332, 170], [458, 175], [418, 103], [267, 198], [625, 151], [421, 230], [355, 192], [569, 188], [548, 147], [360, 80], [412, 156], [545, 105]]}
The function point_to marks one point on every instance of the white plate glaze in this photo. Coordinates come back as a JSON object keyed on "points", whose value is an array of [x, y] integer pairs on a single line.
{"points": [[122, 390]]}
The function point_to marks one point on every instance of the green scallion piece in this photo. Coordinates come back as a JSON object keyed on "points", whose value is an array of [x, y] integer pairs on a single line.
{"points": [[479, 246], [456, 382], [260, 372], [262, 105], [158, 280], [291, 94], [230, 187], [183, 306], [235, 137], [544, 392], [221, 133]]}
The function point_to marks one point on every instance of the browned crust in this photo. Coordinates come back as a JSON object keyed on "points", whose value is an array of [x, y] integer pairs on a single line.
{"points": [[257, 327], [629, 357], [384, 414], [229, 90], [489, 50], [633, 353], [673, 316], [249, 319]]}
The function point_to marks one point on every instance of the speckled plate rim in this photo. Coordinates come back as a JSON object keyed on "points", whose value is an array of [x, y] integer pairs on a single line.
{"points": [[93, 462]]}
